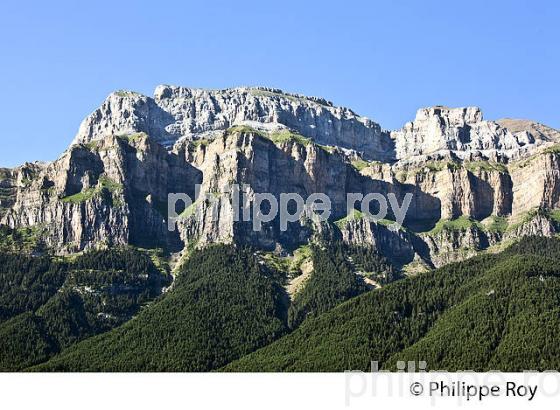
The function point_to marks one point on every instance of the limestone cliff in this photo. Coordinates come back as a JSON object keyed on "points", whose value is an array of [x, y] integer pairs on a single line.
{"points": [[472, 180]]}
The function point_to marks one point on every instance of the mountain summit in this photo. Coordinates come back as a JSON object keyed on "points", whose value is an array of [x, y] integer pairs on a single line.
{"points": [[176, 114]]}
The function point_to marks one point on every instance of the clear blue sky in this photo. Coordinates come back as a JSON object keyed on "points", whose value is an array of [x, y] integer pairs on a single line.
{"points": [[384, 59]]}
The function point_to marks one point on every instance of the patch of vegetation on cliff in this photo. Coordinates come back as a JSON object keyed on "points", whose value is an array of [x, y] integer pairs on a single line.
{"points": [[488, 166], [554, 149], [360, 164], [22, 240], [526, 217], [389, 223], [329, 149], [80, 197], [357, 215], [438, 166], [285, 136], [190, 210], [280, 137], [461, 223], [522, 163], [244, 129], [104, 184], [132, 138], [495, 223], [93, 145], [553, 215], [354, 214], [427, 168], [289, 264], [107, 183]]}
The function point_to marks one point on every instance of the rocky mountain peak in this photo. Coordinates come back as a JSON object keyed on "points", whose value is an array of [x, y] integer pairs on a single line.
{"points": [[179, 113], [463, 131], [451, 116], [176, 115]]}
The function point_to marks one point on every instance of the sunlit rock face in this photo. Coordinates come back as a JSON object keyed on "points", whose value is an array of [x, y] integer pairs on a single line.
{"points": [[464, 132], [176, 113], [474, 183]]}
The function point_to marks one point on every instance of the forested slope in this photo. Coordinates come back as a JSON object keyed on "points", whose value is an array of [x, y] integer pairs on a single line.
{"points": [[227, 310], [222, 307], [490, 312], [48, 304]]}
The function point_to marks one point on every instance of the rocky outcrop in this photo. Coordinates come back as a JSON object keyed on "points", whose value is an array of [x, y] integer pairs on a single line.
{"points": [[395, 244], [176, 113], [453, 245], [259, 165], [464, 132], [536, 223], [7, 190]]}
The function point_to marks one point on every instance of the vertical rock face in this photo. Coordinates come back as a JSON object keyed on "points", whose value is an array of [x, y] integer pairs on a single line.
{"points": [[447, 191], [7, 190], [258, 165], [536, 183], [111, 192], [474, 182], [396, 244], [453, 245]]}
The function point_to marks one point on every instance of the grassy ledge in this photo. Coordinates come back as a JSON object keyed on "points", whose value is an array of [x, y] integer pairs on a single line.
{"points": [[461, 223], [104, 183]]}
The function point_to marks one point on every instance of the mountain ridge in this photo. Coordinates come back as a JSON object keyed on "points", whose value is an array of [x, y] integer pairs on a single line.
{"points": [[110, 187], [176, 113]]}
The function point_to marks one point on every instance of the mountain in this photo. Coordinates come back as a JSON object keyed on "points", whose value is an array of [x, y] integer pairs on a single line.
{"points": [[97, 274], [176, 114], [475, 183]]}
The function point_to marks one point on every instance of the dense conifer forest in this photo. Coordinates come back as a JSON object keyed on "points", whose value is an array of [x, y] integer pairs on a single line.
{"points": [[490, 312], [223, 306], [48, 304]]}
